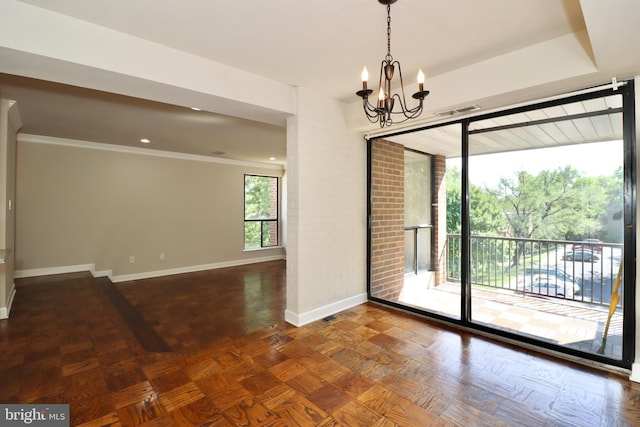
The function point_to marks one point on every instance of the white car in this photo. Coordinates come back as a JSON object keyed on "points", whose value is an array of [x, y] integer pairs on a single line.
{"points": [[550, 286], [558, 278]]}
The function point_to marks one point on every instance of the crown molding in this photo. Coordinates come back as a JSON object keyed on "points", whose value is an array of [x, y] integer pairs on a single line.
{"points": [[75, 143]]}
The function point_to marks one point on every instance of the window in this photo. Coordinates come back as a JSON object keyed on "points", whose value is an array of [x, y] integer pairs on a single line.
{"points": [[260, 211], [533, 216], [418, 247]]}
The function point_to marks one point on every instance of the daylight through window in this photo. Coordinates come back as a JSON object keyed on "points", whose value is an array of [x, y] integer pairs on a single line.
{"points": [[260, 211]]}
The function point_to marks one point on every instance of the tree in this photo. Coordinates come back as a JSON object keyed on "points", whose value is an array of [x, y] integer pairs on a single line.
{"points": [[559, 204], [542, 206], [486, 216], [454, 200]]}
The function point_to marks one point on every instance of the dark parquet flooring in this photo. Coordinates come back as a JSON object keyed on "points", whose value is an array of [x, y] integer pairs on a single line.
{"points": [[225, 357]]}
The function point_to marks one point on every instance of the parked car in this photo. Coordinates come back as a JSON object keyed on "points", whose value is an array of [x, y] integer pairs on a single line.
{"points": [[549, 286], [581, 255], [593, 245], [548, 274]]}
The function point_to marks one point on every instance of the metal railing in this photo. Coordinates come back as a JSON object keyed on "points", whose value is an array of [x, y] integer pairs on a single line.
{"points": [[578, 271]]}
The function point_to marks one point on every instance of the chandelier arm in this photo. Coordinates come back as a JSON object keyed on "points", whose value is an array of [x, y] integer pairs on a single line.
{"points": [[408, 113], [381, 79], [369, 107], [371, 112], [404, 99]]}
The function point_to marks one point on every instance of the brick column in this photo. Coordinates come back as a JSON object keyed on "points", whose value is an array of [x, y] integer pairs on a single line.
{"points": [[387, 220]]}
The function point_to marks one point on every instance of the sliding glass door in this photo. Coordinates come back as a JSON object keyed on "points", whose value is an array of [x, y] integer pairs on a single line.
{"points": [[520, 223], [546, 190]]}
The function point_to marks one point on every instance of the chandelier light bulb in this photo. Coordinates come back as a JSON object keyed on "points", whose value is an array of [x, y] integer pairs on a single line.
{"points": [[365, 77], [420, 80]]}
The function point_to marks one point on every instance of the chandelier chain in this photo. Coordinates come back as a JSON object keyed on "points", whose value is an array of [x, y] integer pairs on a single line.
{"points": [[389, 57]]}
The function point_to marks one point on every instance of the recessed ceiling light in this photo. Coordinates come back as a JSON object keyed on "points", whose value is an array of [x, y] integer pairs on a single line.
{"points": [[272, 158], [196, 109], [145, 140]]}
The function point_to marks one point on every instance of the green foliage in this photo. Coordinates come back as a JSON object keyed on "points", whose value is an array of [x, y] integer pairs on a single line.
{"points": [[542, 206], [558, 204], [259, 204], [454, 200], [486, 216], [257, 197]]}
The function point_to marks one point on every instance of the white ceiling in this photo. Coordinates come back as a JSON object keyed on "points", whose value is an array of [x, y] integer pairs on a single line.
{"points": [[566, 124], [321, 46], [63, 111], [324, 45]]}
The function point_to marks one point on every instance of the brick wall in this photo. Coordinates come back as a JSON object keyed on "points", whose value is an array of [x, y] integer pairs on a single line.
{"points": [[387, 220], [273, 212]]}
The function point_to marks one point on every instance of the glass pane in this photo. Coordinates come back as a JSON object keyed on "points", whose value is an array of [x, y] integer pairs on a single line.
{"points": [[546, 198], [260, 197], [252, 237], [409, 251], [269, 233], [417, 189], [423, 182], [424, 249]]}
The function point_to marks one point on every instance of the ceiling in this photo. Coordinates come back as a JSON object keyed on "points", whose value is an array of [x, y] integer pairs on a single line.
{"points": [[63, 111], [581, 122], [321, 46]]}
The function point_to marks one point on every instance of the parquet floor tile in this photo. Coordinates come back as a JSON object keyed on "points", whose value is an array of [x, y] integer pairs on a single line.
{"points": [[225, 357]]}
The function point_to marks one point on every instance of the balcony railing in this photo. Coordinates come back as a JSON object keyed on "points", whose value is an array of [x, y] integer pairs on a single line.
{"points": [[578, 271]]}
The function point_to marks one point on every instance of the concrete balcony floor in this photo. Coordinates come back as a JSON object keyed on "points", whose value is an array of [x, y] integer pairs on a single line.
{"points": [[572, 324]]}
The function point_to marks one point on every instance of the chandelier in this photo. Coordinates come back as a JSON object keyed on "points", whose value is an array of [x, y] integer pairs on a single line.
{"points": [[383, 112]]}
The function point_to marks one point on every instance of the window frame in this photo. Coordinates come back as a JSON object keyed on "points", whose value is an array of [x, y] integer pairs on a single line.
{"points": [[628, 92], [262, 221]]}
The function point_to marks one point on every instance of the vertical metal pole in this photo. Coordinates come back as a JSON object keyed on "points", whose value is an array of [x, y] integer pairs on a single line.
{"points": [[465, 235], [629, 256], [369, 203]]}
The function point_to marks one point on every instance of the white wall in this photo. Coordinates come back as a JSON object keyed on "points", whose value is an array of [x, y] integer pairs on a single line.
{"points": [[326, 168], [635, 368], [83, 204]]}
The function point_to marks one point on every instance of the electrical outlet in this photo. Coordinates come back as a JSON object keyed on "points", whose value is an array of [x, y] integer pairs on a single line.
{"points": [[132, 259]]}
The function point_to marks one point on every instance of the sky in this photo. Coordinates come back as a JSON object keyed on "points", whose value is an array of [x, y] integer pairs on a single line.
{"points": [[593, 159]]}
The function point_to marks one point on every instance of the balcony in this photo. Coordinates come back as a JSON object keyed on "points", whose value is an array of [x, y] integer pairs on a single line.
{"points": [[555, 291]]}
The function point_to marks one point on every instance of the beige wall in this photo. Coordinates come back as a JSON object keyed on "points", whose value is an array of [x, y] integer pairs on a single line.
{"points": [[78, 206]]}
